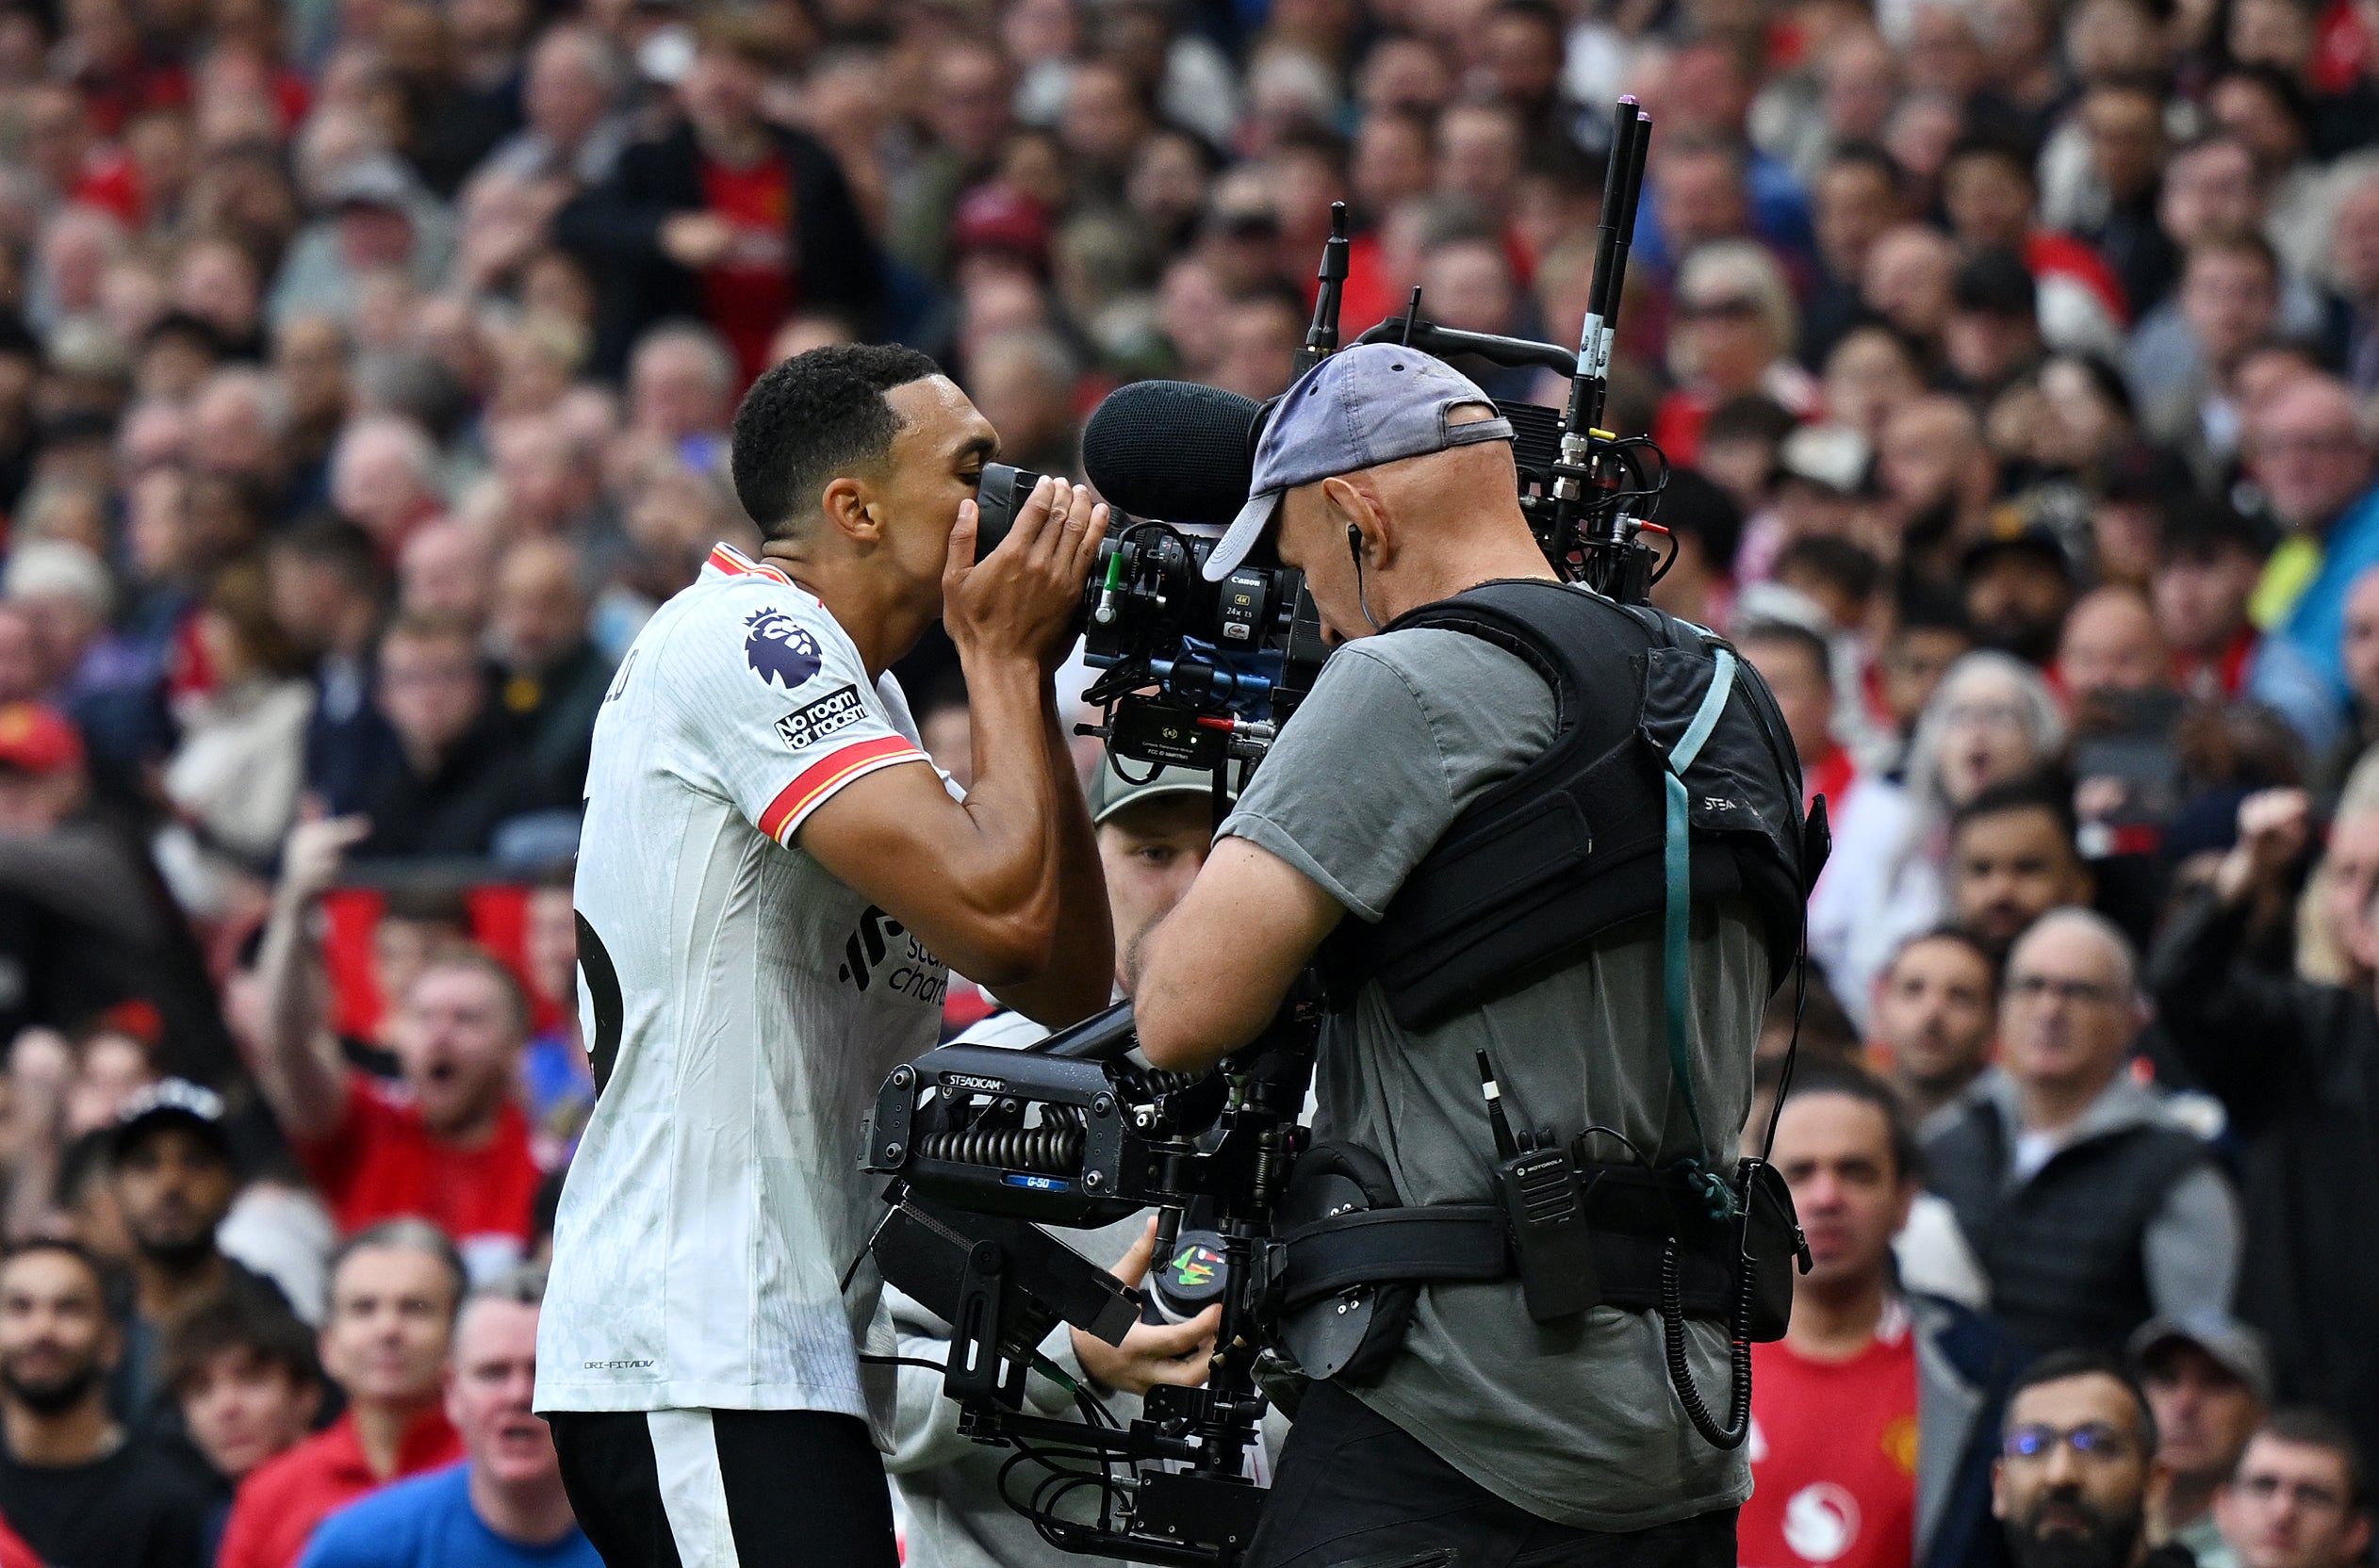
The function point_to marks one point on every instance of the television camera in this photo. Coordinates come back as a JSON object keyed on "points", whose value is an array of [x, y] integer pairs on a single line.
{"points": [[984, 1146], [1198, 674]]}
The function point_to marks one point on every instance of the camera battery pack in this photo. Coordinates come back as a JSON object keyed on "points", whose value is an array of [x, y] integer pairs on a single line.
{"points": [[1165, 734], [1546, 1211]]}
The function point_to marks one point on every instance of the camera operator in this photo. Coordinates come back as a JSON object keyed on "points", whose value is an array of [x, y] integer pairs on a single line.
{"points": [[773, 876], [1392, 482], [1153, 836]]}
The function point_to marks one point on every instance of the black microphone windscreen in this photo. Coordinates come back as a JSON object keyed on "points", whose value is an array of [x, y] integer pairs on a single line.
{"points": [[1172, 450]]}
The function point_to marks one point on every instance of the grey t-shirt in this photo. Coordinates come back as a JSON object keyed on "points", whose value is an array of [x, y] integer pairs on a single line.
{"points": [[1574, 1422]]}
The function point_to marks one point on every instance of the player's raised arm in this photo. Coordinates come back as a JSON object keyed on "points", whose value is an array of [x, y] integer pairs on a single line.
{"points": [[1004, 885]]}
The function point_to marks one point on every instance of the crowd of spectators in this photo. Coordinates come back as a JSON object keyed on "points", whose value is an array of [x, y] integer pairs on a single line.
{"points": [[365, 369]]}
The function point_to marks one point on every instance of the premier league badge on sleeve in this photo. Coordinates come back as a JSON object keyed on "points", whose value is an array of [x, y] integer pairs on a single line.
{"points": [[778, 650]]}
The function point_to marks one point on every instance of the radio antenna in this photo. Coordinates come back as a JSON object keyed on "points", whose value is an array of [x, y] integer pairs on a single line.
{"points": [[1589, 388], [1586, 474], [1322, 338]]}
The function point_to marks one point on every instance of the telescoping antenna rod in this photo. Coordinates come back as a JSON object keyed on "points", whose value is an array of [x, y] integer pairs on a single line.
{"points": [[1622, 185], [1322, 338], [1586, 473], [1623, 237], [1588, 388]]}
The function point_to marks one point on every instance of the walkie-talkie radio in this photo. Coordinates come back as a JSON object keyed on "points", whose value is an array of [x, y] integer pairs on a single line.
{"points": [[1539, 1184]]}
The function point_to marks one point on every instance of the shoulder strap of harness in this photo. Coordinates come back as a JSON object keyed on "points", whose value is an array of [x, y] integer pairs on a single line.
{"points": [[1547, 857], [1677, 892]]}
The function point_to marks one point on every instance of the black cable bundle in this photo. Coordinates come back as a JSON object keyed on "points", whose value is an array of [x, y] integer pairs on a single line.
{"points": [[1680, 1375]]}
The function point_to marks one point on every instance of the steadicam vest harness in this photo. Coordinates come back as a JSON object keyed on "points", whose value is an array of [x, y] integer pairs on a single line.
{"points": [[1581, 840], [1690, 791]]}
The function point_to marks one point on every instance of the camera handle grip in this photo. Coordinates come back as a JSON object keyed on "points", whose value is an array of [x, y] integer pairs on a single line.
{"points": [[1511, 352]]}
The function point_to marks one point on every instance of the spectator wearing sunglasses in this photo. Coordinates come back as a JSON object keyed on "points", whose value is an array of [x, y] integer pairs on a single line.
{"points": [[1733, 334]]}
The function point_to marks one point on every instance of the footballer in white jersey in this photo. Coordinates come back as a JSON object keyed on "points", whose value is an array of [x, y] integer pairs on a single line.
{"points": [[770, 878], [745, 1006]]}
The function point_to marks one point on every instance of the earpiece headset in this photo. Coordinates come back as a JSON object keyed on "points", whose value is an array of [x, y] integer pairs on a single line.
{"points": [[1354, 549]]}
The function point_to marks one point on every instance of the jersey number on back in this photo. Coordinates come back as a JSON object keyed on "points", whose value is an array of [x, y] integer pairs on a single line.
{"points": [[611, 1010]]}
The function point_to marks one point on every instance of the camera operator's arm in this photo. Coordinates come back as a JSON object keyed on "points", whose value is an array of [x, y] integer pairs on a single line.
{"points": [[1215, 970], [1364, 777], [1004, 886]]}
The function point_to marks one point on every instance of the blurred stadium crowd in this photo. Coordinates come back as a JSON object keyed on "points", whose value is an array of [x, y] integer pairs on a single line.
{"points": [[365, 366]]}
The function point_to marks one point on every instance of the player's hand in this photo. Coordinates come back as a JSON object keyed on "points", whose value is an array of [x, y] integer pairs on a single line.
{"points": [[1151, 1353], [1021, 599], [2274, 829]]}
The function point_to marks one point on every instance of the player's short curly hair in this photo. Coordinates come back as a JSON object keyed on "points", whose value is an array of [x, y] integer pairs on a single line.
{"points": [[813, 417]]}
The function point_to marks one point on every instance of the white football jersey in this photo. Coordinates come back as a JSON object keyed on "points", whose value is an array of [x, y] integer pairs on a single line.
{"points": [[743, 1007]]}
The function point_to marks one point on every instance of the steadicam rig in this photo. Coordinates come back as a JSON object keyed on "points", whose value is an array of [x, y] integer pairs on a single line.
{"points": [[983, 1142]]}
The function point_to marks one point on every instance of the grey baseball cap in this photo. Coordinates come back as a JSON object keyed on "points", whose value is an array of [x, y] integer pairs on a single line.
{"points": [[2235, 1347], [1110, 792], [378, 180], [1370, 404]]}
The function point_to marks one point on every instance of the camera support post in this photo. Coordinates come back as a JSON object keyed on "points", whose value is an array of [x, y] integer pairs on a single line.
{"points": [[1617, 564]]}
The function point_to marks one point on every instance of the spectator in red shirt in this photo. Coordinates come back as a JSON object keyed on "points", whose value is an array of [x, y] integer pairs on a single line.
{"points": [[725, 215], [394, 1291], [1866, 1453], [447, 1142]]}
